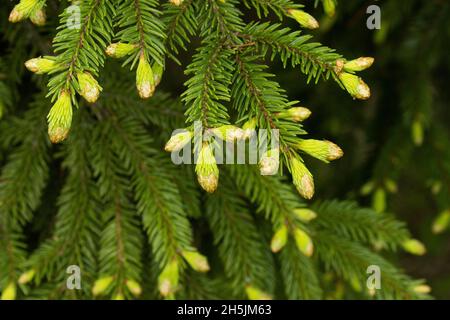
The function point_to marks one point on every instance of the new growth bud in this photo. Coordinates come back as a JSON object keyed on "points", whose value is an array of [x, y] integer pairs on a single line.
{"points": [[176, 2], [422, 289], [197, 261], [27, 276], [145, 81], [304, 19], [168, 279], [359, 64], [379, 200], [134, 287], [354, 85], [302, 178], [9, 292], [119, 296], [228, 133], [414, 246], [89, 88], [26, 9], [296, 114], [206, 169], [254, 293], [305, 215], [417, 132], [101, 285], [120, 50], [41, 65], [38, 17], [442, 222], [304, 242], [178, 141], [279, 239], [329, 6], [60, 118], [391, 185], [323, 150], [157, 73], [269, 162]]}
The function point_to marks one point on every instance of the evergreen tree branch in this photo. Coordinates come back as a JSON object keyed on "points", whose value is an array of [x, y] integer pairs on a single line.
{"points": [[245, 259], [316, 61]]}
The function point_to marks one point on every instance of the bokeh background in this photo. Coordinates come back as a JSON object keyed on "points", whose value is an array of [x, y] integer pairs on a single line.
{"points": [[402, 132]]}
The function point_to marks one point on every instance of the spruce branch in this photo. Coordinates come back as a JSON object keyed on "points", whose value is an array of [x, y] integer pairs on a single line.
{"points": [[279, 7], [236, 236]]}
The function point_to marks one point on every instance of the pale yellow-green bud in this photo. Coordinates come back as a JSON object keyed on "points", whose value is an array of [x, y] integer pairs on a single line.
{"points": [[197, 261], [38, 17], [355, 86], [158, 71], [134, 287], [321, 149], [391, 185], [119, 296], [304, 242], [442, 222], [436, 187], [339, 66], [41, 65], [24, 9], [101, 285], [60, 118], [417, 132], [367, 188], [422, 289], [379, 200], [228, 133], [296, 114], [329, 6], [302, 178], [16, 15], [178, 141], [359, 64], [249, 128], [9, 292], [89, 87], [254, 293], [414, 246], [305, 215], [206, 169], [168, 279], [304, 19], [27, 276], [279, 239], [120, 50], [145, 81], [176, 2], [269, 162]]}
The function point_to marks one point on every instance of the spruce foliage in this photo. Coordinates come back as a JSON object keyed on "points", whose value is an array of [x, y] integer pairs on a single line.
{"points": [[108, 199]]}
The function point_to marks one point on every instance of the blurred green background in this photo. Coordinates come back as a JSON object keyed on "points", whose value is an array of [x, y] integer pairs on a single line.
{"points": [[402, 132]]}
